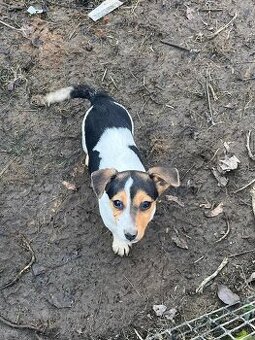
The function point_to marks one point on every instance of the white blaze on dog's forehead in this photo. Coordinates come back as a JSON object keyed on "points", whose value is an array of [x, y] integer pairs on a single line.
{"points": [[126, 221], [59, 95], [127, 188], [114, 150]]}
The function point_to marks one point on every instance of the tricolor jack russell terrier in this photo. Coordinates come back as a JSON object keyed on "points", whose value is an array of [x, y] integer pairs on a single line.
{"points": [[126, 192]]}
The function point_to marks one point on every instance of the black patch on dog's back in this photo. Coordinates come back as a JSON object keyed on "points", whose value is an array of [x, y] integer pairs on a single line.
{"points": [[104, 114]]}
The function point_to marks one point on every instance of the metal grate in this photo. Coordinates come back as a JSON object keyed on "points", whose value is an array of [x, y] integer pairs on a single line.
{"points": [[231, 322]]}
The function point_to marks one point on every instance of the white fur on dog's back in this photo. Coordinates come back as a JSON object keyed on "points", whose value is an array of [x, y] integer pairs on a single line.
{"points": [[114, 150], [59, 95]]}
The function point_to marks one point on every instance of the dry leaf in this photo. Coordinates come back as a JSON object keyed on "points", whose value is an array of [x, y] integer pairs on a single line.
{"points": [[226, 146], [180, 242], [170, 314], [227, 296], [251, 278], [189, 13], [229, 163], [222, 180], [69, 186], [159, 309], [175, 199], [216, 211]]}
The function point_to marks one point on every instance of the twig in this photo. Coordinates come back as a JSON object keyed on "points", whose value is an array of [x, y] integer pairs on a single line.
{"points": [[209, 278], [103, 78], [253, 199], [12, 27], [200, 258], [222, 28], [138, 335], [213, 92], [248, 142], [210, 9], [242, 253], [210, 117], [21, 326], [228, 229], [28, 266], [132, 285], [135, 7], [7, 166], [214, 155], [179, 47], [245, 186], [114, 83]]}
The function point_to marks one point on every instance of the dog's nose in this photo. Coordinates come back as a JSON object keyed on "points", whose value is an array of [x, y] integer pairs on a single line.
{"points": [[130, 237]]}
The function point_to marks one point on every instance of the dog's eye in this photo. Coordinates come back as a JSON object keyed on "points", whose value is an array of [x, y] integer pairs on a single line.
{"points": [[118, 204], [145, 205]]}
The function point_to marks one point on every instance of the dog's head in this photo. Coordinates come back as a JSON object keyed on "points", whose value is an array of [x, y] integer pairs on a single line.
{"points": [[127, 200]]}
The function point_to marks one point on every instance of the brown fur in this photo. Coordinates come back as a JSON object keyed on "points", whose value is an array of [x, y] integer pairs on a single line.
{"points": [[142, 218], [121, 196]]}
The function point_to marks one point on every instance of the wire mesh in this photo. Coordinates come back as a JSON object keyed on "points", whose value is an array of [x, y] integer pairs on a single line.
{"points": [[229, 322]]}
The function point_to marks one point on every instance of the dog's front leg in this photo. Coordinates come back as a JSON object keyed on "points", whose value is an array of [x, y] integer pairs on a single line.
{"points": [[120, 247]]}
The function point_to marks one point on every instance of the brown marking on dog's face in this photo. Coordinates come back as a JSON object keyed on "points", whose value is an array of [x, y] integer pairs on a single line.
{"points": [[130, 201], [121, 197], [142, 216]]}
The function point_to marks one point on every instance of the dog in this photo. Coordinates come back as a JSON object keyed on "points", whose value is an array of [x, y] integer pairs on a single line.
{"points": [[126, 192]]}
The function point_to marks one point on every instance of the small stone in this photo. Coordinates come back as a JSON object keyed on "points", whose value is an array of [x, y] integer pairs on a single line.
{"points": [[89, 47]]}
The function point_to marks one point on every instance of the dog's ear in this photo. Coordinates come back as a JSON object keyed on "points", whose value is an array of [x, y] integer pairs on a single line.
{"points": [[100, 179], [164, 178]]}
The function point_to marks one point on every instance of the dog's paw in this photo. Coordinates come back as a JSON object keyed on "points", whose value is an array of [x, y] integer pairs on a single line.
{"points": [[120, 248]]}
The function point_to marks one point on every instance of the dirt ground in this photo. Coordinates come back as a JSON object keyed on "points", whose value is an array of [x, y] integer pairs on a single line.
{"points": [[77, 288]]}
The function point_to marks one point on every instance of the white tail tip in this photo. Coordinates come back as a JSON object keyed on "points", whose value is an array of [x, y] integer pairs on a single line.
{"points": [[59, 95]]}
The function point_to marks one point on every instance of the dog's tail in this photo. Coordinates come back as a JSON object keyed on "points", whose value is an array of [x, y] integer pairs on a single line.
{"points": [[78, 91]]}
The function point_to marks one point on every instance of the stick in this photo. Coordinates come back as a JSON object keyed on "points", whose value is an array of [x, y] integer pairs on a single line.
{"points": [[222, 28], [12, 27], [132, 285], [20, 326], [211, 10], [209, 278], [179, 47], [138, 335], [210, 117], [245, 186], [7, 166], [28, 266], [242, 253], [200, 258], [248, 142], [253, 199], [228, 229]]}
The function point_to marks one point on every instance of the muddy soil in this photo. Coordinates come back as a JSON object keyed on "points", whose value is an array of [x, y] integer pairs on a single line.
{"points": [[77, 288]]}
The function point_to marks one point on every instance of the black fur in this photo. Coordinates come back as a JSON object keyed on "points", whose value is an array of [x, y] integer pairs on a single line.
{"points": [[94, 161], [104, 114], [139, 183], [145, 184]]}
